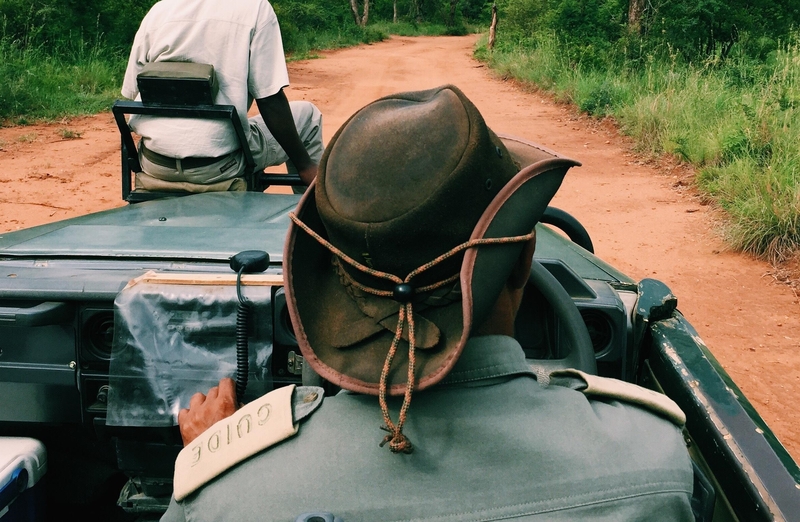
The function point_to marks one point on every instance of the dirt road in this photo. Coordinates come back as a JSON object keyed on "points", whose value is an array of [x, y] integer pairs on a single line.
{"points": [[642, 218]]}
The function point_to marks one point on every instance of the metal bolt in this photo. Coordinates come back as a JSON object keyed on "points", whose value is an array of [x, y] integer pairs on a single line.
{"points": [[102, 394], [73, 365]]}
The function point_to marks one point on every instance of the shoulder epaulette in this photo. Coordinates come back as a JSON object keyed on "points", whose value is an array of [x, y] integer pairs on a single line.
{"points": [[592, 385], [253, 428]]}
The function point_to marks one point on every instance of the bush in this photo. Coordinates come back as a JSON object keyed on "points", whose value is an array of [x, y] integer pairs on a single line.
{"points": [[597, 95]]}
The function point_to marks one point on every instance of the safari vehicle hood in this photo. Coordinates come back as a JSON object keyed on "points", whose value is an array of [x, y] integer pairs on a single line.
{"points": [[203, 227], [212, 227]]}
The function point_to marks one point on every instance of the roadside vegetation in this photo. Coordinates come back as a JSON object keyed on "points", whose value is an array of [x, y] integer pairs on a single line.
{"points": [[714, 84]]}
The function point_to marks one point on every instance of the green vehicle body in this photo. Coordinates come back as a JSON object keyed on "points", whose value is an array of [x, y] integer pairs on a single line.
{"points": [[58, 283]]}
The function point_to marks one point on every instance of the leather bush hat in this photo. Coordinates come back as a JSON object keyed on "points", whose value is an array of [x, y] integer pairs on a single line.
{"points": [[405, 180]]}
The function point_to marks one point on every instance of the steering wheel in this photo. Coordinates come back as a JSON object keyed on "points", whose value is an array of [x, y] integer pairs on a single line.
{"points": [[581, 355]]}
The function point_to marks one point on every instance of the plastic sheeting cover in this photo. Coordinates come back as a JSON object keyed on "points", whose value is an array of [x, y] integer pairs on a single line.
{"points": [[174, 340]]}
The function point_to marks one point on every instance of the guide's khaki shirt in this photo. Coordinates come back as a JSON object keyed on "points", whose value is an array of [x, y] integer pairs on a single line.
{"points": [[490, 443]]}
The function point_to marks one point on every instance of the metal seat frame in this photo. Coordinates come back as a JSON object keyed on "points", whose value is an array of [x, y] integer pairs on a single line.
{"points": [[256, 180]]}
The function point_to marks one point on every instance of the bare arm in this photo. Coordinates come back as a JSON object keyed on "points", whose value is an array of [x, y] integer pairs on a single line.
{"points": [[278, 117]]}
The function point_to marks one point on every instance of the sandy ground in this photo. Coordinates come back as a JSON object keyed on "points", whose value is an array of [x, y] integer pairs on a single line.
{"points": [[644, 218]]}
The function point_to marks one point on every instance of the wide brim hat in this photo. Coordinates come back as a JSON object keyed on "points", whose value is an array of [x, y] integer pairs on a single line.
{"points": [[405, 180]]}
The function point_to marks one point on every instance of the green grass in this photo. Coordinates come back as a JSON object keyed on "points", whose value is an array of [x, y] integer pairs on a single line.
{"points": [[737, 122], [37, 86]]}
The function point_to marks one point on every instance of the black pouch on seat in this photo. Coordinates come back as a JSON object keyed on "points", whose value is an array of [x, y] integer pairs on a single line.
{"points": [[177, 83]]}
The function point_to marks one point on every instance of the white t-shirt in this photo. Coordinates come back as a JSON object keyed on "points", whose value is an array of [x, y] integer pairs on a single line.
{"points": [[240, 38]]}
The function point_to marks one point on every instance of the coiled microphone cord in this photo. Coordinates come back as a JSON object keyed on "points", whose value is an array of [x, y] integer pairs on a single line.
{"points": [[242, 350]]}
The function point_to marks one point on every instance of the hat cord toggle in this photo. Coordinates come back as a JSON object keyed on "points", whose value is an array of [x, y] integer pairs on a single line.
{"points": [[404, 292]]}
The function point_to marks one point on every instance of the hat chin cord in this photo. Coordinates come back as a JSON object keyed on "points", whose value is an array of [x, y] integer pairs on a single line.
{"points": [[403, 293]]}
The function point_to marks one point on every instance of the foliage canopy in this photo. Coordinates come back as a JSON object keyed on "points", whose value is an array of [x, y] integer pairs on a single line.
{"points": [[693, 29], [56, 25]]}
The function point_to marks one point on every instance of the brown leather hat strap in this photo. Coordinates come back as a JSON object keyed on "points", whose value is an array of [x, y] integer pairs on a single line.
{"points": [[404, 293], [398, 442]]}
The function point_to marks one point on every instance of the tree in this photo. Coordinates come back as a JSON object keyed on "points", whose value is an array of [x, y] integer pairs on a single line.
{"points": [[361, 20], [414, 12], [451, 21], [493, 27], [635, 8]]}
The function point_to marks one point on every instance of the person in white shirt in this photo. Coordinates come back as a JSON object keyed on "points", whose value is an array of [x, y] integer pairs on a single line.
{"points": [[241, 39]]}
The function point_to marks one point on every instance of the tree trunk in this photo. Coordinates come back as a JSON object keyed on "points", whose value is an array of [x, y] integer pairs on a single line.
{"points": [[361, 21], [452, 20], [635, 8], [492, 28], [354, 10], [394, 12], [414, 11]]}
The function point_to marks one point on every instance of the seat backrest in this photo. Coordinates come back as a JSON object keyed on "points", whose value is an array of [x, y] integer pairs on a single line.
{"points": [[130, 157], [177, 83]]}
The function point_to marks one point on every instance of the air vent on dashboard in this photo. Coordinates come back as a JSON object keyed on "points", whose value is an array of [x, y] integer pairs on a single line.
{"points": [[600, 329], [97, 336]]}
